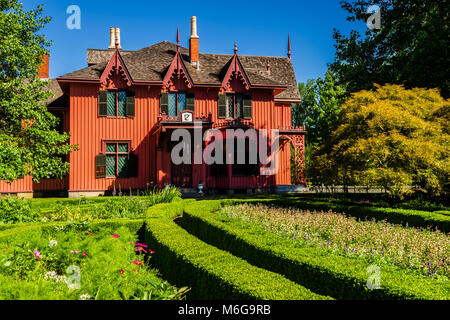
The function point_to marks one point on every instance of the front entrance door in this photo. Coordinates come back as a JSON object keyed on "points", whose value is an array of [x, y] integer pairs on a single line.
{"points": [[182, 174]]}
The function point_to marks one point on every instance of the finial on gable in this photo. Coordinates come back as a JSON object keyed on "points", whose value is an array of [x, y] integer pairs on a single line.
{"points": [[289, 46], [235, 48], [178, 38]]}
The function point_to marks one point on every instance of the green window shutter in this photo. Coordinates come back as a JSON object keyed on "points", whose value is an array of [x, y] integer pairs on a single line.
{"points": [[100, 166], [164, 103], [222, 102], [102, 103], [248, 108], [131, 104], [190, 102], [133, 165]]}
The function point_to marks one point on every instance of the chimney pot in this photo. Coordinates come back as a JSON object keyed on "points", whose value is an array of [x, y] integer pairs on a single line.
{"points": [[112, 38], [118, 38]]}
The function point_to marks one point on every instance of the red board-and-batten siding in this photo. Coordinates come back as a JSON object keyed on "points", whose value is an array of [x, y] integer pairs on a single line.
{"points": [[88, 131]]}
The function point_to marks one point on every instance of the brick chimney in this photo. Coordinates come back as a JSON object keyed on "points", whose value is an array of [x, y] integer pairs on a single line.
{"points": [[193, 43], [44, 68]]}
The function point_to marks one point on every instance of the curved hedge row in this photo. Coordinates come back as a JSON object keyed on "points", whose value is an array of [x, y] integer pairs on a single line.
{"points": [[212, 273], [323, 272]]}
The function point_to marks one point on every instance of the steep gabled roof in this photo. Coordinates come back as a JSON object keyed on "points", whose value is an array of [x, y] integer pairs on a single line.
{"points": [[150, 64]]}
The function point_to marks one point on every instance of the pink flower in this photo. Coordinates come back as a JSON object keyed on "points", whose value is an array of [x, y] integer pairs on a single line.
{"points": [[141, 245], [152, 252], [85, 254], [139, 249], [37, 254], [76, 252], [138, 262], [116, 236], [122, 271]]}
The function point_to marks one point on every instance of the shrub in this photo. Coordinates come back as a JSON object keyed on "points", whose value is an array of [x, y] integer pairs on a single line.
{"points": [[166, 195], [16, 210], [328, 274]]}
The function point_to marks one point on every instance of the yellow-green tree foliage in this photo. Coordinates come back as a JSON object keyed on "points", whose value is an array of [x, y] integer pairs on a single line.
{"points": [[389, 137]]}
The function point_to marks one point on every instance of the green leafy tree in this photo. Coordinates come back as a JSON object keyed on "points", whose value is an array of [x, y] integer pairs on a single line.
{"points": [[322, 101], [411, 48], [390, 137], [29, 141]]}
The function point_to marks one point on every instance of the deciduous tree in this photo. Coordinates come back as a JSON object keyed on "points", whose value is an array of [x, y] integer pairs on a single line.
{"points": [[390, 137], [29, 141]]}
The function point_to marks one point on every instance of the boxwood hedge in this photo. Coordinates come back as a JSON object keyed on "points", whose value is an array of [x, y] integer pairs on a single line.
{"points": [[212, 273], [317, 269]]}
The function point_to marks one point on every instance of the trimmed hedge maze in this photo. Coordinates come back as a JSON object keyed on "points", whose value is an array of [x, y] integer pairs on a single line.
{"points": [[328, 274], [223, 258], [212, 273]]}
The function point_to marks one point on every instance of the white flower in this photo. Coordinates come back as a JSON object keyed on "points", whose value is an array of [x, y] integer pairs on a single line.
{"points": [[85, 297], [50, 275], [52, 243]]}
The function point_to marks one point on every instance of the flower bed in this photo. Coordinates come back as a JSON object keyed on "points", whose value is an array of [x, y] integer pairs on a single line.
{"points": [[377, 242], [337, 275], [102, 260]]}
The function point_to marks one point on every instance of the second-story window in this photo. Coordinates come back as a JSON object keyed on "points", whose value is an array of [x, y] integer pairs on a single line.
{"points": [[177, 104], [235, 106], [116, 103], [173, 103]]}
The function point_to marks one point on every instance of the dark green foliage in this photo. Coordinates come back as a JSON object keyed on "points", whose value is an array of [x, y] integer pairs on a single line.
{"points": [[411, 48], [328, 274], [212, 273]]}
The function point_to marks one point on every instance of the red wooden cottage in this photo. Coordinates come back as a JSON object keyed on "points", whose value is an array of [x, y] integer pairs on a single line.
{"points": [[124, 106]]}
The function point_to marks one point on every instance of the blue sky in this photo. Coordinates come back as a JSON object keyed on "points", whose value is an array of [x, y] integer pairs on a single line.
{"points": [[258, 27]]}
